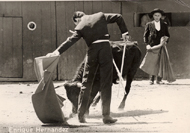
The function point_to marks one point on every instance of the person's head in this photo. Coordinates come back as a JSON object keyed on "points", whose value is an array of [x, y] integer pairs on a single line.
{"points": [[157, 14], [77, 17]]}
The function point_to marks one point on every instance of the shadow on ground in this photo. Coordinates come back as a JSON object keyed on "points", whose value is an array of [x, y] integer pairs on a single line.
{"points": [[64, 125], [131, 113]]}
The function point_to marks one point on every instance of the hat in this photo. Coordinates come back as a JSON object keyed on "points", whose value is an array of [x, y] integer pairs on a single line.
{"points": [[157, 10]]}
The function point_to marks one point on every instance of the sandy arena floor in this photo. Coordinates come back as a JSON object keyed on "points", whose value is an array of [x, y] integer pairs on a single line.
{"points": [[155, 108]]}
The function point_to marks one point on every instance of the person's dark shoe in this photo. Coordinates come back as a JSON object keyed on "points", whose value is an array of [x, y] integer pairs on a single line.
{"points": [[109, 120], [160, 82], [82, 119], [151, 82]]}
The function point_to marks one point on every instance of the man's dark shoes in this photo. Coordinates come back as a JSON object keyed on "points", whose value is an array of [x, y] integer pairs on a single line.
{"points": [[109, 120]]}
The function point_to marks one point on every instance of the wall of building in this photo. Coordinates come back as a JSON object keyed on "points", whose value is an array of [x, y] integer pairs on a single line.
{"points": [[32, 43], [19, 45]]}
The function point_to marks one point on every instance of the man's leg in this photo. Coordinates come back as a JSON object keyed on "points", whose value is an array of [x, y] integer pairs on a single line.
{"points": [[106, 70], [91, 67], [94, 91]]}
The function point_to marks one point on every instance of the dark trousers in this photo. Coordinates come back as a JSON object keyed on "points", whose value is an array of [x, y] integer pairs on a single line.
{"points": [[99, 55]]}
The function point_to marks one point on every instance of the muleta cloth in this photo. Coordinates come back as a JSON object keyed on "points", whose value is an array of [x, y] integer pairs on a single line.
{"points": [[47, 104], [157, 62], [150, 63], [165, 67]]}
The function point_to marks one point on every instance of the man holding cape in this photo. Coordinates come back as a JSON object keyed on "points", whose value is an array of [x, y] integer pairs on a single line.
{"points": [[93, 29]]}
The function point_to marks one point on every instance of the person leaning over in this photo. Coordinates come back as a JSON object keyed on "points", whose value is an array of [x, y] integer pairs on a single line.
{"points": [[93, 29]]}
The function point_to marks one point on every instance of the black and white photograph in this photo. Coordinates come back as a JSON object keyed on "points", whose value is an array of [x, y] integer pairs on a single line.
{"points": [[87, 66]]}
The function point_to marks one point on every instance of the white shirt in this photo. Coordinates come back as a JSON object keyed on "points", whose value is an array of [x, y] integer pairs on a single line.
{"points": [[157, 25]]}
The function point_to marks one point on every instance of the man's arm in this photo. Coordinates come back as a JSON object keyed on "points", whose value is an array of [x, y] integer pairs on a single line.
{"points": [[68, 43], [117, 18]]}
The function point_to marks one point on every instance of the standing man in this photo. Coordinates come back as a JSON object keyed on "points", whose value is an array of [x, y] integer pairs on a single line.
{"points": [[153, 33], [93, 29]]}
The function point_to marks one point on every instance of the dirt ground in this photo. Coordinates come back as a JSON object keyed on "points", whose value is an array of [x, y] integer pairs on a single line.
{"points": [[149, 108]]}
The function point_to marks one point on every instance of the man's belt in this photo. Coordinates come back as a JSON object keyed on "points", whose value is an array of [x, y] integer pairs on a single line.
{"points": [[102, 40]]}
